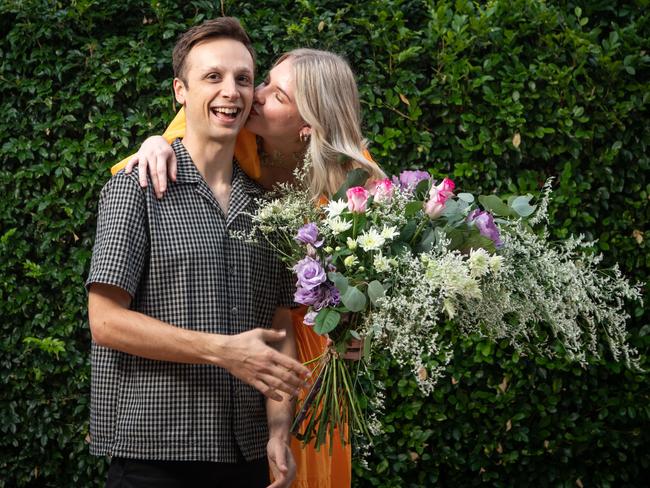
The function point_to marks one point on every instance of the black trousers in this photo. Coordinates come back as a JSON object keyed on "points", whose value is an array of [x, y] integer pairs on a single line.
{"points": [[139, 473]]}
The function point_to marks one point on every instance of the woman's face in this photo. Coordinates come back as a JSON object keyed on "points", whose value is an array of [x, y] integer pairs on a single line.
{"points": [[274, 115]]}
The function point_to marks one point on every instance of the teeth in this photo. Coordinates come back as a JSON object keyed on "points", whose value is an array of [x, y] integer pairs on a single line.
{"points": [[229, 111]]}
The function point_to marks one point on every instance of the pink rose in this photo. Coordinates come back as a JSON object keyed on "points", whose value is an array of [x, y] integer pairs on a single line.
{"points": [[357, 199], [438, 196], [382, 190]]}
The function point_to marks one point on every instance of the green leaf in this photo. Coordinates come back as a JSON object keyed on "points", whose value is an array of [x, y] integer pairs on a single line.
{"points": [[412, 208], [353, 299], [466, 197], [428, 240], [340, 281], [356, 177], [522, 206], [408, 230], [326, 321], [495, 205], [422, 189], [5, 237], [375, 291]]}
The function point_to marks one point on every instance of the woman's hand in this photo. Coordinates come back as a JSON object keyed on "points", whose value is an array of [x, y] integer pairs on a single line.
{"points": [[159, 158]]}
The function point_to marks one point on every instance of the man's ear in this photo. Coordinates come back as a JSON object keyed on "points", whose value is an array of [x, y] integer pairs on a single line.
{"points": [[179, 90]]}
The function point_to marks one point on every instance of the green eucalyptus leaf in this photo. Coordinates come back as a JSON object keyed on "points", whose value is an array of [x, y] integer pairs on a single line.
{"points": [[495, 205], [375, 291], [340, 281], [522, 206], [354, 299], [326, 321]]}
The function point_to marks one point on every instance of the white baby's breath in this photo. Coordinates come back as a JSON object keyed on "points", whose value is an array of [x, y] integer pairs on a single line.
{"points": [[479, 262]]}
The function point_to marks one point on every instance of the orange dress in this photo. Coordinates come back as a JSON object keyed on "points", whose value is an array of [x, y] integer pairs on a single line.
{"points": [[315, 469]]}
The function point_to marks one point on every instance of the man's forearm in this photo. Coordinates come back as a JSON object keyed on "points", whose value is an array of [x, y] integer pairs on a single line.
{"points": [[113, 325], [248, 355]]}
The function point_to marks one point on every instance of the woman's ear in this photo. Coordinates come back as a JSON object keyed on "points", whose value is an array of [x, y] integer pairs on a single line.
{"points": [[305, 133]]}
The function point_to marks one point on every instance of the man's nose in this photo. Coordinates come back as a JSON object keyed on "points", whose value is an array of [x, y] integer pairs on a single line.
{"points": [[229, 88]]}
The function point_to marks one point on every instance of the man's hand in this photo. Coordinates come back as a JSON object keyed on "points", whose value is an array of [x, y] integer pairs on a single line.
{"points": [[249, 357], [281, 462]]}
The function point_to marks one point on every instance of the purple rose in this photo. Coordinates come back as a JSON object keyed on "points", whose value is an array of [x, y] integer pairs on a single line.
{"points": [[308, 234], [323, 296], [486, 226], [329, 296], [310, 273], [408, 180], [305, 296]]}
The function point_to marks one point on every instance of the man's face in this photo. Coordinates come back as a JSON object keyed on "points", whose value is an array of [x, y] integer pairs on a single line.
{"points": [[219, 90]]}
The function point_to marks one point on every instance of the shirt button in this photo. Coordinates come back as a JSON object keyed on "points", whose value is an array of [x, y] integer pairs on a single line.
{"points": [[231, 269], [234, 311]]}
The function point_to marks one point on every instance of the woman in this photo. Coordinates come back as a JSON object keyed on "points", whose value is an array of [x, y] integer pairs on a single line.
{"points": [[308, 104]]}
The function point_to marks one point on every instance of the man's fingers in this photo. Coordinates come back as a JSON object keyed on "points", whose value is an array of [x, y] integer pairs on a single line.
{"points": [[292, 366], [275, 384], [267, 390], [272, 335]]}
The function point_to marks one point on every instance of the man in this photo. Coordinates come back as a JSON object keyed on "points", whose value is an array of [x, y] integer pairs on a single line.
{"points": [[174, 301]]}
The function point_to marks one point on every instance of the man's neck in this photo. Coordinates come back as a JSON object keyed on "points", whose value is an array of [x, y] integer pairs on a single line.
{"points": [[212, 158]]}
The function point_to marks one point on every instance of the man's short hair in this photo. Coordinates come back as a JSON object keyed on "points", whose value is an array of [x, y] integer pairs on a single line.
{"points": [[221, 27]]}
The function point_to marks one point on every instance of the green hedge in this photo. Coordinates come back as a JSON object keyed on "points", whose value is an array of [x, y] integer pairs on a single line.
{"points": [[501, 96]]}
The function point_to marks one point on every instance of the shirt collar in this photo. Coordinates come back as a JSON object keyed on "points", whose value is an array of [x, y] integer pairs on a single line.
{"points": [[187, 172]]}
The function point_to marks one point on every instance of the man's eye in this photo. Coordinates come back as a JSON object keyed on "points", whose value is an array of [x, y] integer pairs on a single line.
{"points": [[244, 79], [213, 76]]}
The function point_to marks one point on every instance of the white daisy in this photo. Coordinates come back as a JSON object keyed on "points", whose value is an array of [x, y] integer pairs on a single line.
{"points": [[338, 225], [335, 207], [371, 240]]}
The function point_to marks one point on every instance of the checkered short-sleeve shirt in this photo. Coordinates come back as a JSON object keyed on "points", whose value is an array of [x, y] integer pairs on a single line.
{"points": [[179, 261]]}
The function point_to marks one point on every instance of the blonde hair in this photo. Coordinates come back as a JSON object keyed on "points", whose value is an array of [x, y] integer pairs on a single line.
{"points": [[328, 100]]}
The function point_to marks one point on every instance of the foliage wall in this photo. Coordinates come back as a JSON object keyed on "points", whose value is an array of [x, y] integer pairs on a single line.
{"points": [[500, 95]]}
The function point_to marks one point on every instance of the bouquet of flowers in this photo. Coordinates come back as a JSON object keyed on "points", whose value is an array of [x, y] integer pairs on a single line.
{"points": [[393, 260]]}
